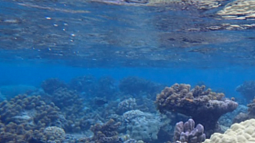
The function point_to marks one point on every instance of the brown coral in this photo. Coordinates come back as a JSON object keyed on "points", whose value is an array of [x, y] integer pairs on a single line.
{"points": [[22, 117], [106, 133], [204, 106]]}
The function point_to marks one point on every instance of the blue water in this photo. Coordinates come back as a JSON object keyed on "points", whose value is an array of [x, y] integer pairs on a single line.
{"points": [[218, 79], [40, 40]]}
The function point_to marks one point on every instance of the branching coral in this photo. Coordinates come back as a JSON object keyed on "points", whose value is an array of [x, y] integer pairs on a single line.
{"points": [[204, 106]]}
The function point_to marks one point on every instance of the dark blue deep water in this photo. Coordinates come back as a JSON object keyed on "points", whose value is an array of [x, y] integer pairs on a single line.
{"points": [[95, 71]]}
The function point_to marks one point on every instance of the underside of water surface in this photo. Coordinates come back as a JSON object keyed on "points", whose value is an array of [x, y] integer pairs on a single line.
{"points": [[101, 34]]}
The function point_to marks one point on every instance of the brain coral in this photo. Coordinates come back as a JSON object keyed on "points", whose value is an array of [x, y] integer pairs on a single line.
{"points": [[243, 132]]}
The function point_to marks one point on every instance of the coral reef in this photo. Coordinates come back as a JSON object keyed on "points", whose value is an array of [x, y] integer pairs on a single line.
{"points": [[49, 134], [204, 106], [83, 84], [68, 101], [137, 86], [105, 88], [246, 115], [247, 90], [18, 109], [237, 133], [186, 132], [57, 132], [71, 105], [23, 118], [142, 126], [126, 105], [106, 133], [52, 84], [91, 87], [133, 141], [227, 119], [12, 133]]}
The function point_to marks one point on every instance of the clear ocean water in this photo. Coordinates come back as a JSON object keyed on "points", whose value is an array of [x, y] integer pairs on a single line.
{"points": [[104, 54]]}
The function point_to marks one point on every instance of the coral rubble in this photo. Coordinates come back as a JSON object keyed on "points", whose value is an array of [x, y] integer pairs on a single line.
{"points": [[204, 106]]}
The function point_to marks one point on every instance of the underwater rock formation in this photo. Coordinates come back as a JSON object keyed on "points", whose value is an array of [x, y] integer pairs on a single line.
{"points": [[247, 90], [186, 132], [52, 84], [204, 106], [106, 133], [141, 125]]}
